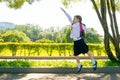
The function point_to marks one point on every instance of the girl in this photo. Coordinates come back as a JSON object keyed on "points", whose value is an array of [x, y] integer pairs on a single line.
{"points": [[79, 44]]}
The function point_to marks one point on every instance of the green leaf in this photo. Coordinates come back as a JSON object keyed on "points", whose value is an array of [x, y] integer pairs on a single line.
{"points": [[66, 3]]}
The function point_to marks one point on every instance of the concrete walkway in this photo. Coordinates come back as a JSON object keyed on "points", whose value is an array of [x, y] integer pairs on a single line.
{"points": [[49, 76], [102, 73], [62, 70]]}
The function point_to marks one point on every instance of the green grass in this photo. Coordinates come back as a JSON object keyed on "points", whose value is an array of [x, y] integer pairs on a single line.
{"points": [[25, 63]]}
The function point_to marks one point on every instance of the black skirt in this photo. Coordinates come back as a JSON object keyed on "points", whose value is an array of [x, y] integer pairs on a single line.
{"points": [[80, 47]]}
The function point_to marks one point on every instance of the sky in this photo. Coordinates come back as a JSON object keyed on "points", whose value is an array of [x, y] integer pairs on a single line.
{"points": [[47, 13]]}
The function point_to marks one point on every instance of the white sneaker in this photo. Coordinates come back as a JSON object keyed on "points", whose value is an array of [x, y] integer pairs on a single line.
{"points": [[79, 69]]}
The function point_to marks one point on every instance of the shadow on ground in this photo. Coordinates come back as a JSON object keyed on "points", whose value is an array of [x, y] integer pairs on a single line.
{"points": [[48, 76], [11, 76]]}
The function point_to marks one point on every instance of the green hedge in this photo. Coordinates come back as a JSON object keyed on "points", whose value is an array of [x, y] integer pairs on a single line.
{"points": [[45, 49]]}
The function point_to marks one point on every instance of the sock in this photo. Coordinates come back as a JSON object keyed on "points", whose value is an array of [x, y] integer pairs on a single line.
{"points": [[79, 65], [93, 61]]}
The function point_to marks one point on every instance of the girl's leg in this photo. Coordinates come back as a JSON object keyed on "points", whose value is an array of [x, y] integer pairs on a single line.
{"points": [[93, 61], [78, 62], [91, 57], [77, 59]]}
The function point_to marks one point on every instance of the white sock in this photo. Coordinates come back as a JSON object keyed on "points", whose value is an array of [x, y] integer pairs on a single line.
{"points": [[93, 61], [79, 65]]}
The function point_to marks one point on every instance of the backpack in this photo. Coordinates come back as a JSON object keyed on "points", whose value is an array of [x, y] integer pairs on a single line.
{"points": [[82, 32]]}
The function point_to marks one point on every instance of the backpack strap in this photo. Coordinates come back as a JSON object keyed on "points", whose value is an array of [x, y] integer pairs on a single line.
{"points": [[72, 23], [81, 29]]}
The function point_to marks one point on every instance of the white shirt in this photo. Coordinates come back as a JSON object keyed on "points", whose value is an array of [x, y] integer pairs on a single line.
{"points": [[75, 32]]}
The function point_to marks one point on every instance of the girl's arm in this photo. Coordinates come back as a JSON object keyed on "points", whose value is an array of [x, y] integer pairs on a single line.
{"points": [[88, 30], [68, 16]]}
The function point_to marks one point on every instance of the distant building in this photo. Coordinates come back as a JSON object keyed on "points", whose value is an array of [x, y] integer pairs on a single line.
{"points": [[4, 25]]}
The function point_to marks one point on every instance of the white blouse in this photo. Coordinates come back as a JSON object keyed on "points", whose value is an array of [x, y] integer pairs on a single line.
{"points": [[75, 32]]}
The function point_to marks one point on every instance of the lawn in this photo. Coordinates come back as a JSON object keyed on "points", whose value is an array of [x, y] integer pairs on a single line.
{"points": [[27, 63]]}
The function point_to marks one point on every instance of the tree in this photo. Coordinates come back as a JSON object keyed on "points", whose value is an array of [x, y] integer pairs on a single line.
{"points": [[110, 6], [65, 33], [15, 36], [68, 2], [1, 39], [32, 31], [17, 3]]}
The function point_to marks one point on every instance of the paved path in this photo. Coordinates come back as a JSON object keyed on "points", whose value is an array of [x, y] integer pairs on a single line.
{"points": [[49, 76], [62, 70]]}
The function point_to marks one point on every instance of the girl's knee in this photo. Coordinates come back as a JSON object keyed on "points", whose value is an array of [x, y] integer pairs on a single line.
{"points": [[77, 57]]}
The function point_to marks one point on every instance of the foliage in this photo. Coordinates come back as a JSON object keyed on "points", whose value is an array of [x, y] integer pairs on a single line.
{"points": [[17, 3], [16, 63], [32, 31], [13, 47], [44, 41], [117, 4], [46, 49], [15, 36], [91, 38], [25, 63], [66, 34], [2, 47], [110, 6], [35, 32], [1, 39], [66, 3]]}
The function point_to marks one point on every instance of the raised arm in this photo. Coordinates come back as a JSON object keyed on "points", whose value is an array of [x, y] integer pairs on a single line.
{"points": [[67, 15]]}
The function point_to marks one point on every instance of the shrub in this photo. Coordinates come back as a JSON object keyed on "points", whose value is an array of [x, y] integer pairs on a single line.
{"points": [[52, 49], [44, 41]]}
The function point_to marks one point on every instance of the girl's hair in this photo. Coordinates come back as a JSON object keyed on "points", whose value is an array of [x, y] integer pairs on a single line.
{"points": [[79, 17]]}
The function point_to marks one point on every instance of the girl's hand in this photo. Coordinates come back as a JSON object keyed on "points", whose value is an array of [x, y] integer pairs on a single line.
{"points": [[63, 10]]}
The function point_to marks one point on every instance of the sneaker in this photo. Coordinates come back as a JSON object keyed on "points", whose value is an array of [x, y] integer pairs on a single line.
{"points": [[79, 69], [95, 66]]}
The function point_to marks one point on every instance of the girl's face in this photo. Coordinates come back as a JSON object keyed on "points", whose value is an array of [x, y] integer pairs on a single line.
{"points": [[76, 20]]}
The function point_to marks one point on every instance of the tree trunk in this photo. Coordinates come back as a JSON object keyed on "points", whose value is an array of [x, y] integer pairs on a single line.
{"points": [[103, 21], [117, 49], [107, 45]]}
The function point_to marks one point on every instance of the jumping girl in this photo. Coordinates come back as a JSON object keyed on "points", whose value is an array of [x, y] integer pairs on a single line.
{"points": [[79, 44]]}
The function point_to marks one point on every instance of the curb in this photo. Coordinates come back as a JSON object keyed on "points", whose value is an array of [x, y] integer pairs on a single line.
{"points": [[58, 70], [50, 58]]}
